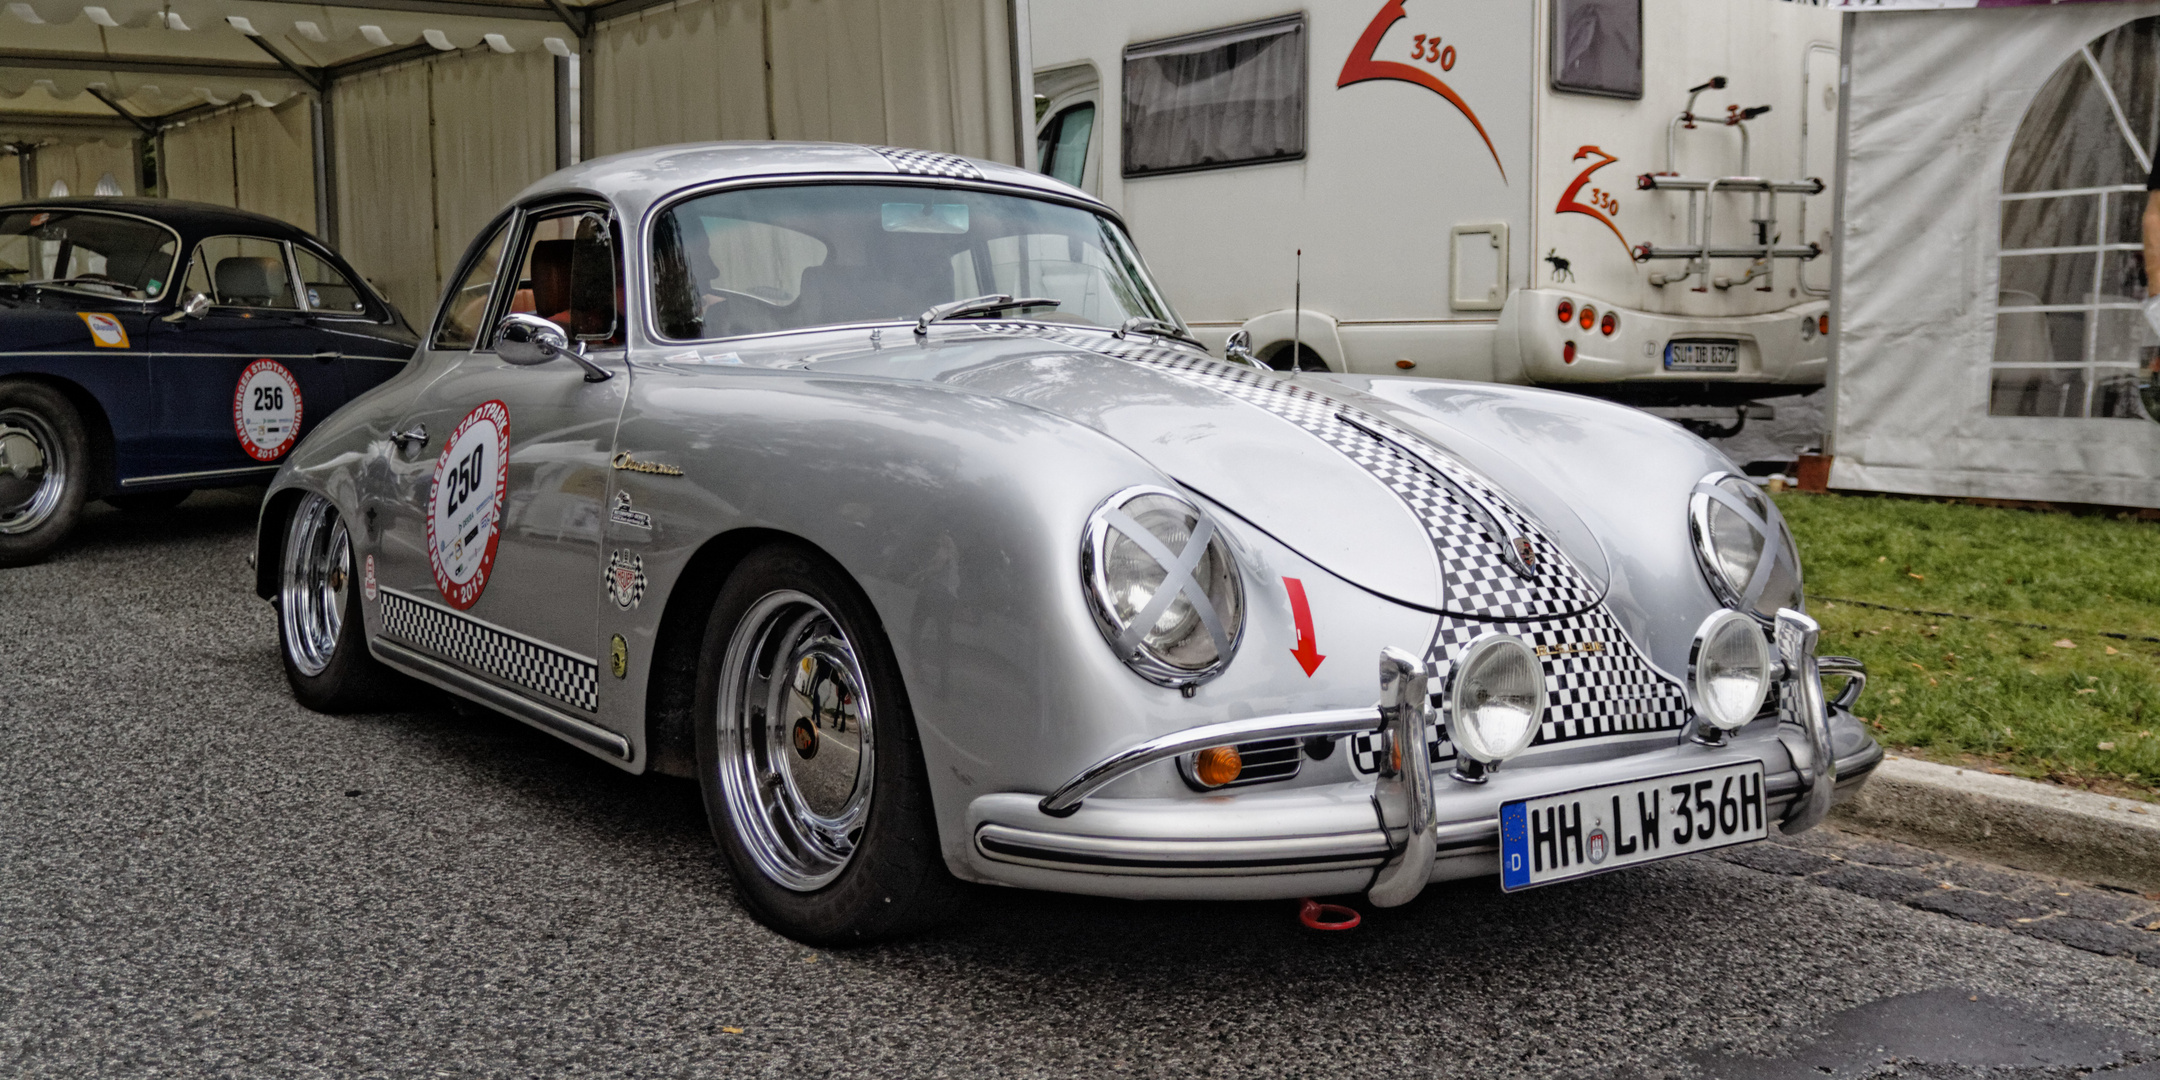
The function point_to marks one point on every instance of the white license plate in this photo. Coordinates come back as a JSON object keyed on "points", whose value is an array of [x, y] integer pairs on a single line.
{"points": [[1702, 356], [1578, 833]]}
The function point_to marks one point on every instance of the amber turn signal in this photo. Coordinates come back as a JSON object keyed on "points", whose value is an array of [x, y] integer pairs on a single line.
{"points": [[1589, 317], [1822, 324], [1217, 765]]}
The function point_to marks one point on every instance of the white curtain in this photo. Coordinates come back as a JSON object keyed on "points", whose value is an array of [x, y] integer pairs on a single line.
{"points": [[933, 74], [426, 153], [81, 165], [1935, 102], [246, 157]]}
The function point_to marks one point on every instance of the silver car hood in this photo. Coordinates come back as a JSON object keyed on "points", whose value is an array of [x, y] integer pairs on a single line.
{"points": [[1272, 451]]}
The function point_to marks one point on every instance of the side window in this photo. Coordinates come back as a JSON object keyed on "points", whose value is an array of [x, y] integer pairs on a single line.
{"points": [[1597, 47], [466, 305], [1063, 144], [244, 271], [325, 289], [721, 276], [1234, 96], [569, 275]]}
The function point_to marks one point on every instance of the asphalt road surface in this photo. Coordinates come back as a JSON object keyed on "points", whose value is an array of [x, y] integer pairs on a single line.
{"points": [[200, 878]]}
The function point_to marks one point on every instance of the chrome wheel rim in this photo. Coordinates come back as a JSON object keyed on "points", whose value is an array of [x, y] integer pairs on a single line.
{"points": [[797, 741], [311, 598], [33, 471]]}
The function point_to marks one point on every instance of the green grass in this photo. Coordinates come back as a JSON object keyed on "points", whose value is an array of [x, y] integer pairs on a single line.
{"points": [[2062, 701]]}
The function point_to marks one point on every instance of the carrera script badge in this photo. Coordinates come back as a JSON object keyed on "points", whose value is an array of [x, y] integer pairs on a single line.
{"points": [[626, 463]]}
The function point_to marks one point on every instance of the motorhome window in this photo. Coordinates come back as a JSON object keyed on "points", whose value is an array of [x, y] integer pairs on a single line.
{"points": [[1597, 47], [1234, 96], [2069, 336], [1063, 145], [768, 259]]}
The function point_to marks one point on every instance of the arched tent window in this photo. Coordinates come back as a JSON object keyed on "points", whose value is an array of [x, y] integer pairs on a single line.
{"points": [[2069, 337]]}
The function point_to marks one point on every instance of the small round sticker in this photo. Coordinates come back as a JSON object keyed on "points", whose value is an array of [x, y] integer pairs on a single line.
{"points": [[465, 503], [266, 410]]}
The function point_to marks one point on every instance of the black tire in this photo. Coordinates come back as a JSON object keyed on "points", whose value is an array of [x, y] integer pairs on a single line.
{"points": [[893, 879], [44, 471], [148, 502], [322, 636]]}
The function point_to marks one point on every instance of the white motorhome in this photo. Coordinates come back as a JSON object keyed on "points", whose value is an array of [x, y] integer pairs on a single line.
{"points": [[1631, 198]]}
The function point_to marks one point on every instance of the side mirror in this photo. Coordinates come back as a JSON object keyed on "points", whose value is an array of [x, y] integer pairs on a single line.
{"points": [[194, 307], [1239, 350], [526, 340]]}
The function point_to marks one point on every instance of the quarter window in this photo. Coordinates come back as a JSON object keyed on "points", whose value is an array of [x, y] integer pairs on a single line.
{"points": [[2069, 336], [1597, 47], [1226, 97], [466, 305], [325, 289], [567, 274]]}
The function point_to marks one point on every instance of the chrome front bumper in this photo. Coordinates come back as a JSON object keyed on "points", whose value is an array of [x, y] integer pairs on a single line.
{"points": [[1387, 837]]}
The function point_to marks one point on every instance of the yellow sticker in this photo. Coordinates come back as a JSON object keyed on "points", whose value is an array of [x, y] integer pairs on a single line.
{"points": [[105, 331]]}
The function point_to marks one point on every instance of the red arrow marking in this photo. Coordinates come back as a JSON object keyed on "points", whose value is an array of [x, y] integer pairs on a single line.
{"points": [[1308, 650]]}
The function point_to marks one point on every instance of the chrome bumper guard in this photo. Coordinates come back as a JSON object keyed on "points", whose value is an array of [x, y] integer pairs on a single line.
{"points": [[1404, 795]]}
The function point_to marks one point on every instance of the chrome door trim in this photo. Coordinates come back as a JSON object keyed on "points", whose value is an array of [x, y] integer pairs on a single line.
{"points": [[210, 474]]}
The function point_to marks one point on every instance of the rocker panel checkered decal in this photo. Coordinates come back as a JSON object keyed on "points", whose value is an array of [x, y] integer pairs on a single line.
{"points": [[1474, 568], [476, 646], [929, 163]]}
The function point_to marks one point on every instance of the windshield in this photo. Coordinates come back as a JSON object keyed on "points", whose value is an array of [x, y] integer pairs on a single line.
{"points": [[99, 253], [758, 260]]}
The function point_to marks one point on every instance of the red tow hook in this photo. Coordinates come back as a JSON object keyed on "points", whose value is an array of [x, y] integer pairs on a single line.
{"points": [[1318, 916]]}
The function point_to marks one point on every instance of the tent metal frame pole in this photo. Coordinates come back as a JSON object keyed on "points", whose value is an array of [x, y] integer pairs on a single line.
{"points": [[563, 106], [26, 167], [1837, 240], [326, 208], [1023, 84]]}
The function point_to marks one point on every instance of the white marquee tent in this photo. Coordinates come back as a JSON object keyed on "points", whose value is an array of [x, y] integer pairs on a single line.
{"points": [[395, 128], [1993, 169]]}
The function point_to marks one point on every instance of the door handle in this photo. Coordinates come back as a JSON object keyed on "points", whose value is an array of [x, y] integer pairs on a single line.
{"points": [[417, 434]]}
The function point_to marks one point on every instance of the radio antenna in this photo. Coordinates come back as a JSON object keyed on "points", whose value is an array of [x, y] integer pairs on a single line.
{"points": [[1297, 315]]}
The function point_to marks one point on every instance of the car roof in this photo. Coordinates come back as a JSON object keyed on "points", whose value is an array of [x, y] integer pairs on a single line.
{"points": [[192, 220], [636, 179]]}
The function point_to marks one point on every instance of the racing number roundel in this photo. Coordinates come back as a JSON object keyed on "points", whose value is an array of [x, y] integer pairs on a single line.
{"points": [[266, 410], [465, 503]]}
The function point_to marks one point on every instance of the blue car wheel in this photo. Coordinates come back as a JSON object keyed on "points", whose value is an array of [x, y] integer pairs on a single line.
{"points": [[44, 471]]}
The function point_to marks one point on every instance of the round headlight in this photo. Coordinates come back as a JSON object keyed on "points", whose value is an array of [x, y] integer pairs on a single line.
{"points": [[1163, 586], [1741, 543], [1496, 698], [1729, 669]]}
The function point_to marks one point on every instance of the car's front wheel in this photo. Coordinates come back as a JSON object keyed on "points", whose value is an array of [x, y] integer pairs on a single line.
{"points": [[807, 754], [44, 471], [320, 629]]}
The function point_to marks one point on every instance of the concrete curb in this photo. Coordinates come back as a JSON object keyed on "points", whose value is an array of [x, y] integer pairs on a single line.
{"points": [[2013, 821]]}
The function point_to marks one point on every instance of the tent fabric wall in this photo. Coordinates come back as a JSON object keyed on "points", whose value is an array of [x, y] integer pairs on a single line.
{"points": [[933, 74], [81, 164], [250, 158], [426, 153], [1934, 101]]}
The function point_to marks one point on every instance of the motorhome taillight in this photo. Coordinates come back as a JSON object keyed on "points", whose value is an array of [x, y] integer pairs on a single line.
{"points": [[1822, 325], [1567, 311], [1589, 317], [1611, 323], [1567, 353]]}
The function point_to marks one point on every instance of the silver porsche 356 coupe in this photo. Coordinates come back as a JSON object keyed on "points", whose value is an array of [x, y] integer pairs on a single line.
{"points": [[882, 492]]}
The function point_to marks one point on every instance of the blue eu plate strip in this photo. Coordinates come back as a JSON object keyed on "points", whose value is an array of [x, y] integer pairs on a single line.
{"points": [[1514, 846]]}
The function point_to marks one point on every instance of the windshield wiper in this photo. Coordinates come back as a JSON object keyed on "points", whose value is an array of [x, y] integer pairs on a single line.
{"points": [[1157, 328], [981, 305]]}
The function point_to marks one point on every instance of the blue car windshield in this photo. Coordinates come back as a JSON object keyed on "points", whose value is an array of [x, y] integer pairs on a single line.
{"points": [[98, 253], [765, 259]]}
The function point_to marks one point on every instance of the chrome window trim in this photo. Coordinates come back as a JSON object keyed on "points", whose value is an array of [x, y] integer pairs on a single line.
{"points": [[178, 243], [292, 273], [641, 288]]}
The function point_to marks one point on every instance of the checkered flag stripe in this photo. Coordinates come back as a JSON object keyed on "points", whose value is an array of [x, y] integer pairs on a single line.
{"points": [[1475, 568], [475, 645], [929, 163]]}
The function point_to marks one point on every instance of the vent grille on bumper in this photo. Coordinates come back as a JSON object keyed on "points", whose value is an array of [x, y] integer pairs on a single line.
{"points": [[1267, 760]]}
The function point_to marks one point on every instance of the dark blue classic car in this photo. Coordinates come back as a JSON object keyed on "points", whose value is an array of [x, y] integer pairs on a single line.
{"points": [[150, 347]]}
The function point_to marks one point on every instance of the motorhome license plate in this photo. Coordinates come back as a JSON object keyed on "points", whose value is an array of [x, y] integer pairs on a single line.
{"points": [[1578, 833], [1702, 356]]}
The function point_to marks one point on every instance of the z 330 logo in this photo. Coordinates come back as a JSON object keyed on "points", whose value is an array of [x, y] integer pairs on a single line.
{"points": [[1364, 66], [1603, 204]]}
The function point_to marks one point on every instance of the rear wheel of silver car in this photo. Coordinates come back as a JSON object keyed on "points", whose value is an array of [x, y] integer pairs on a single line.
{"points": [[44, 471], [320, 629], [813, 779]]}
